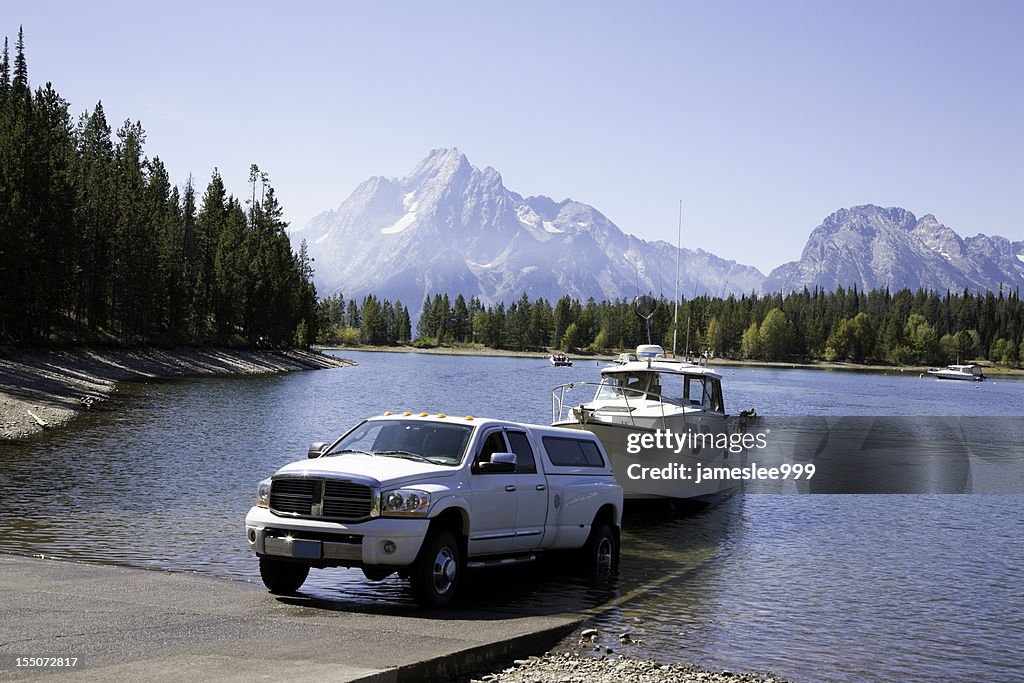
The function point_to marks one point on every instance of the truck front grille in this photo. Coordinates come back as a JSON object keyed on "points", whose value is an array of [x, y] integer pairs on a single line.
{"points": [[346, 500], [329, 499], [293, 496]]}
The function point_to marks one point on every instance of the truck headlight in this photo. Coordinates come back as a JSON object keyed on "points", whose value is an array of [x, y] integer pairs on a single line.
{"points": [[263, 493], [411, 502]]}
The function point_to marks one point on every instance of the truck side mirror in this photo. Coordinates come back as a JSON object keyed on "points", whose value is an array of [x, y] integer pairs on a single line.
{"points": [[316, 449], [499, 462]]}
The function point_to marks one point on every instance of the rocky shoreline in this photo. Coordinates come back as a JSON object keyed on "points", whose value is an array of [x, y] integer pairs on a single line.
{"points": [[575, 668], [45, 389], [589, 655]]}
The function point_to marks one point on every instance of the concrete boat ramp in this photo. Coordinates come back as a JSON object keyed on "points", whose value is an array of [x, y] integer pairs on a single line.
{"points": [[133, 624]]}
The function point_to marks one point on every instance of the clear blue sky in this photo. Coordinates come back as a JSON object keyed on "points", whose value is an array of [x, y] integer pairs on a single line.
{"points": [[763, 117]]}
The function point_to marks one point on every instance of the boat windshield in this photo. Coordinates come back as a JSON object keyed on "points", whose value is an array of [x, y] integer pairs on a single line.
{"points": [[632, 386], [413, 439]]}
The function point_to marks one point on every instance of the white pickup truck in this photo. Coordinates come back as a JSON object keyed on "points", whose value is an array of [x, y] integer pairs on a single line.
{"points": [[430, 495]]}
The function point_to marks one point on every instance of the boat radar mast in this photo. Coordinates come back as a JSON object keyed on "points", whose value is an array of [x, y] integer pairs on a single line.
{"points": [[645, 306]]}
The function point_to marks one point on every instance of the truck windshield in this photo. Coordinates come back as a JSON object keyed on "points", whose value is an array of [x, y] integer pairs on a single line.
{"points": [[441, 444]]}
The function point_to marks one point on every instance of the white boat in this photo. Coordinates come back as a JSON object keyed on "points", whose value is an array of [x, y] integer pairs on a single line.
{"points": [[970, 372], [560, 360], [642, 396]]}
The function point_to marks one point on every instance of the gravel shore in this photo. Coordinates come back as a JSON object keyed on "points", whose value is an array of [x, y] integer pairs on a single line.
{"points": [[44, 389], [575, 668], [591, 655]]}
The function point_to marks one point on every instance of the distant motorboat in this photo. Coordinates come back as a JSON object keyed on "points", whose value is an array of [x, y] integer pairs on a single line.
{"points": [[560, 360], [970, 372]]}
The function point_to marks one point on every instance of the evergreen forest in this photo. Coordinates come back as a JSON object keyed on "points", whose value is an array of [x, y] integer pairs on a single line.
{"points": [[97, 245], [846, 325]]}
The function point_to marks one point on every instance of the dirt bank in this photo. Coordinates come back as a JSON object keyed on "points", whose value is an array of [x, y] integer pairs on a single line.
{"points": [[44, 389]]}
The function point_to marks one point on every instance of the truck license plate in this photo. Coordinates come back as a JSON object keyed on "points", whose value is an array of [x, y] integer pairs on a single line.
{"points": [[306, 549]]}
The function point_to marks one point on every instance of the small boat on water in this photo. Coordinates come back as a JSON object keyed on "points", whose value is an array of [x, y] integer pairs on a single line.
{"points": [[660, 419], [971, 372], [560, 360]]}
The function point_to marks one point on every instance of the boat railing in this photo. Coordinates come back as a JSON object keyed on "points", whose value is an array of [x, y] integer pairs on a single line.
{"points": [[559, 404]]}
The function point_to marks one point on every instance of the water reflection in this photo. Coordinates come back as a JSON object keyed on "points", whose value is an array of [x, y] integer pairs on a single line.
{"points": [[846, 588], [811, 587]]}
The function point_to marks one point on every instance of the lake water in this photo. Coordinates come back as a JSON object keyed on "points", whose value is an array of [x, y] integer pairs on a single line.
{"points": [[811, 587]]}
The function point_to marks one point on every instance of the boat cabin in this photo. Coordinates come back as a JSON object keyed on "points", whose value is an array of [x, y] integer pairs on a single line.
{"points": [[671, 385], [650, 377]]}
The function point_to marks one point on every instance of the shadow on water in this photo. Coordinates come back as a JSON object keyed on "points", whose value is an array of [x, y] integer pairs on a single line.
{"points": [[549, 586]]}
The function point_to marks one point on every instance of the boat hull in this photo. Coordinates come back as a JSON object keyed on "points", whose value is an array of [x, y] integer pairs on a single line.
{"points": [[971, 373], [668, 472], [957, 376]]}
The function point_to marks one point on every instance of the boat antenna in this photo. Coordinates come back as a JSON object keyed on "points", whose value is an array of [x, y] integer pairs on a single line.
{"points": [[687, 337], [679, 249]]}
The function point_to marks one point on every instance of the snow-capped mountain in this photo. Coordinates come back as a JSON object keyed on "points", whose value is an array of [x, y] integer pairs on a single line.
{"points": [[451, 227], [874, 247]]}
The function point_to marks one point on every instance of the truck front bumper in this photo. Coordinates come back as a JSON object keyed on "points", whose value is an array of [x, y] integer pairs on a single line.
{"points": [[386, 541]]}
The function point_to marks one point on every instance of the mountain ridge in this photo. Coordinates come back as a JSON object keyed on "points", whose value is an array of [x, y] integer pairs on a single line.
{"points": [[449, 226], [875, 247]]}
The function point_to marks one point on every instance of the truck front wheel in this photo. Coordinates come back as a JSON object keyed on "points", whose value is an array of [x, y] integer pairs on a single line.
{"points": [[282, 578], [437, 571]]}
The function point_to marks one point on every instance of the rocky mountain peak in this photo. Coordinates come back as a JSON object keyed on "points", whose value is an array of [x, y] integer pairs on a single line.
{"points": [[441, 166], [874, 247], [450, 227]]}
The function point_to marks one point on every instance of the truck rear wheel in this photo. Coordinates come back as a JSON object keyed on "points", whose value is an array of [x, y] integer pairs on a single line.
{"points": [[436, 574], [282, 578], [601, 554]]}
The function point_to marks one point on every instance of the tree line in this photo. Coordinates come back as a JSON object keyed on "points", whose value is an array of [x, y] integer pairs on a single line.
{"points": [[97, 244], [903, 327]]}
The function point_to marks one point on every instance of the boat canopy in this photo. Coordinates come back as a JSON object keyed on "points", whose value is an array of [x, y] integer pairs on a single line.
{"points": [[651, 358]]}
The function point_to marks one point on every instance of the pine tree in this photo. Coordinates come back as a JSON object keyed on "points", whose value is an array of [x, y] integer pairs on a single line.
{"points": [[20, 83], [307, 297], [210, 224], [186, 287], [404, 323], [18, 202], [51, 178], [460, 320], [95, 212], [132, 236], [231, 274], [5, 73]]}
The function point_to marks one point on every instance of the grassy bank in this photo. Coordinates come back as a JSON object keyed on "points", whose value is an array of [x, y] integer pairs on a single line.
{"points": [[44, 389]]}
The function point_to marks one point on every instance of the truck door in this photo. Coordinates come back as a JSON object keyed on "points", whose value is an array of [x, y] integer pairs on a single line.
{"points": [[495, 495], [532, 489]]}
